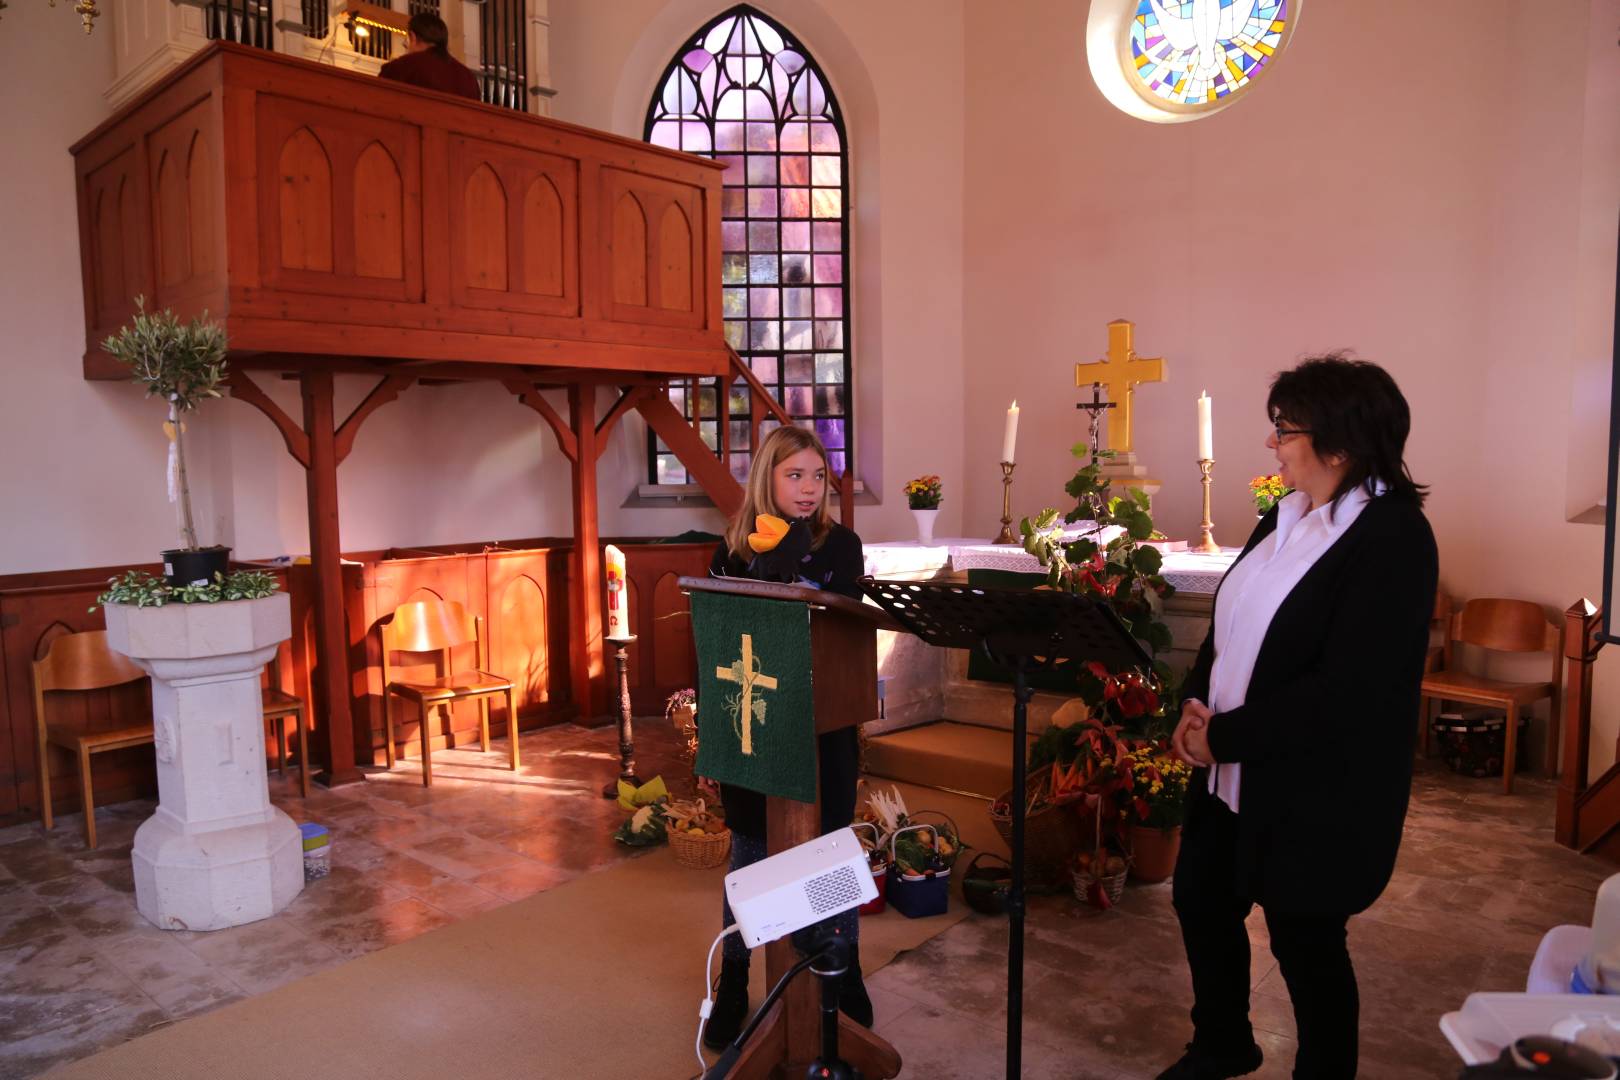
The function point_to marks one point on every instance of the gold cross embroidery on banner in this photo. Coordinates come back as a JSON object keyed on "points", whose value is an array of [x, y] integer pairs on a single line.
{"points": [[745, 672]]}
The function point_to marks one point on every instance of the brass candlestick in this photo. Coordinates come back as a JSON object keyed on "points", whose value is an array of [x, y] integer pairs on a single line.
{"points": [[1206, 536], [1005, 536], [627, 735]]}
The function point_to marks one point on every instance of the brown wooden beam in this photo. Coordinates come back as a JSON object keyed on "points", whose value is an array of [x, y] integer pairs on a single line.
{"points": [[713, 476], [1581, 645], [381, 394], [627, 401], [528, 394], [586, 659], [244, 389], [331, 680]]}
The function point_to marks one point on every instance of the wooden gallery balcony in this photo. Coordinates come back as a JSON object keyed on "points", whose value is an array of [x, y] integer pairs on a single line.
{"points": [[328, 218], [338, 223]]}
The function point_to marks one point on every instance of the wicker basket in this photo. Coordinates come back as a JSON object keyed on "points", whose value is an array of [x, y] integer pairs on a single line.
{"points": [[1113, 885], [1053, 836], [700, 852]]}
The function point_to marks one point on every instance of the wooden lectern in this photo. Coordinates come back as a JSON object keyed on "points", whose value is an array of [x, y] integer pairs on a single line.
{"points": [[843, 654]]}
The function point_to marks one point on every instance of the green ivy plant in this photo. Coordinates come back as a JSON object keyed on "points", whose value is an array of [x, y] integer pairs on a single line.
{"points": [[140, 589], [182, 363], [1122, 572]]}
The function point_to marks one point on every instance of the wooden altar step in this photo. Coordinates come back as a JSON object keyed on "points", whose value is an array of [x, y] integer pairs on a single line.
{"points": [[966, 758]]}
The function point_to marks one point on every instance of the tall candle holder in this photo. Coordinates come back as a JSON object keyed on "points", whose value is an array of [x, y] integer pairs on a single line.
{"points": [[1005, 536], [627, 735], [1206, 536]]}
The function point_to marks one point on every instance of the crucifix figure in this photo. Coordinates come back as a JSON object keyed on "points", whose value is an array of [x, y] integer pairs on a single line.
{"points": [[1095, 408], [1120, 372], [745, 673]]}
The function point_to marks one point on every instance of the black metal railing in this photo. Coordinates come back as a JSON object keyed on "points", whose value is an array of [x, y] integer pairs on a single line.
{"points": [[503, 74], [246, 22], [317, 19], [374, 42]]}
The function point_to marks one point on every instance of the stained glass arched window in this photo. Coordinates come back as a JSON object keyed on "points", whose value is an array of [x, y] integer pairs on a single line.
{"points": [[743, 91]]}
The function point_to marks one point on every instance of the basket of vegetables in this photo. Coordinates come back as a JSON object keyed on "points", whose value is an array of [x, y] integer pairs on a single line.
{"points": [[920, 859], [697, 835], [1055, 827], [877, 857]]}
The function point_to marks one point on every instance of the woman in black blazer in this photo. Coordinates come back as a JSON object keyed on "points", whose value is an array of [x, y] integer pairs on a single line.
{"points": [[1299, 714]]}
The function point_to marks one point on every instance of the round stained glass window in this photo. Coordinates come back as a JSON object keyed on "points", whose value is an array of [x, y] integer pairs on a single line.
{"points": [[1195, 55], [1171, 61]]}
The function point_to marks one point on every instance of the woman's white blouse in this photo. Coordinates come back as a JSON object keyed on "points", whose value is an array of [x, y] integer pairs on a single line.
{"points": [[1250, 595]]}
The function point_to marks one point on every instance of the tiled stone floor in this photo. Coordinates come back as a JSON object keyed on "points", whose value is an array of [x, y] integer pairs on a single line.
{"points": [[1106, 994]]}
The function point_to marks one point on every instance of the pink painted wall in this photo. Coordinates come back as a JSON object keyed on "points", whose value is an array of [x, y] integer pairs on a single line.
{"points": [[1402, 202]]}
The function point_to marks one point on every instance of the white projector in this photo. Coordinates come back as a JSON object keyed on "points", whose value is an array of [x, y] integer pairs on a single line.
{"points": [[800, 886]]}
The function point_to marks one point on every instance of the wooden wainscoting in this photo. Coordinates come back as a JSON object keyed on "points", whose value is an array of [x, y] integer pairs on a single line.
{"points": [[520, 589]]}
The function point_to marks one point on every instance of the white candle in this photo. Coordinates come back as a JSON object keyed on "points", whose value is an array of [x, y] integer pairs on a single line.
{"points": [[1010, 437], [1206, 429], [618, 613]]}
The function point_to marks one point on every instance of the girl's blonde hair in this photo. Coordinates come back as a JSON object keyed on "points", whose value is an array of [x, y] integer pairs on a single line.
{"points": [[758, 498]]}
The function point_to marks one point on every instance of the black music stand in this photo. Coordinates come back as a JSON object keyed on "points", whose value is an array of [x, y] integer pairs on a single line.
{"points": [[1019, 629]]}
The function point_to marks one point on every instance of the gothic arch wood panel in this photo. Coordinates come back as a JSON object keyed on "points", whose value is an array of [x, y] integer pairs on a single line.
{"points": [[629, 251], [173, 211], [305, 182], [520, 651], [111, 284], [201, 216], [379, 212], [675, 269], [657, 260], [542, 238], [133, 278], [674, 659], [484, 221], [537, 235], [31, 619]]}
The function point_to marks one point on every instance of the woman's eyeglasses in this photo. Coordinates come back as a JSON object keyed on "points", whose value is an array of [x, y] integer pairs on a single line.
{"points": [[1284, 432]]}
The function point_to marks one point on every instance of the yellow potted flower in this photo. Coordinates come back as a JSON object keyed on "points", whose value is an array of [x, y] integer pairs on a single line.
{"points": [[1266, 491], [1155, 811], [923, 496]]}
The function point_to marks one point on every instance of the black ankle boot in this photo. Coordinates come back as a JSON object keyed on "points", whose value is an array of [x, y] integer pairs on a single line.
{"points": [[852, 999], [730, 1005], [1199, 1063]]}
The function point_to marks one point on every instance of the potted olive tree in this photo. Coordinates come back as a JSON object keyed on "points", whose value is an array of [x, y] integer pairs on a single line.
{"points": [[183, 364]]}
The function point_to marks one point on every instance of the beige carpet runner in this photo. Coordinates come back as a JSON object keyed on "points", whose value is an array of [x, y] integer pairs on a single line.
{"points": [[600, 977]]}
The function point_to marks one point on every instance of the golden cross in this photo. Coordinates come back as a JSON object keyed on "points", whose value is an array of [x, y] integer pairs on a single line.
{"points": [[745, 674], [1120, 372]]}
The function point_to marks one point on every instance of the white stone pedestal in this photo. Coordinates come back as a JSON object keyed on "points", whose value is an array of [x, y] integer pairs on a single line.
{"points": [[216, 853]]}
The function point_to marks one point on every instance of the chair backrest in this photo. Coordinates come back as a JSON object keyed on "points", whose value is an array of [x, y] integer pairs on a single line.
{"points": [[1505, 626], [84, 661], [428, 626]]}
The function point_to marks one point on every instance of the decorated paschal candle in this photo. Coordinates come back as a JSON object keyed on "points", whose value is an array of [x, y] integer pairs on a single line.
{"points": [[618, 607]]}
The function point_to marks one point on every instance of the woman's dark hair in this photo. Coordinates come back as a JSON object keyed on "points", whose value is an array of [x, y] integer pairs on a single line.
{"points": [[1351, 408], [430, 30]]}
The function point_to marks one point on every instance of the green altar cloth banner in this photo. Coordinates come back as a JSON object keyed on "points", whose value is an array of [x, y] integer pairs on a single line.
{"points": [[756, 712]]}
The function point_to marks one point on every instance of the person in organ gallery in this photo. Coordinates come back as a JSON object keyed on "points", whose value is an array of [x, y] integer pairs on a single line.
{"points": [[427, 61]]}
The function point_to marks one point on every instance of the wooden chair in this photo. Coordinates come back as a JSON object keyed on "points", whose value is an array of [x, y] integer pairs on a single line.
{"points": [[278, 705], [1516, 626], [80, 662], [441, 626]]}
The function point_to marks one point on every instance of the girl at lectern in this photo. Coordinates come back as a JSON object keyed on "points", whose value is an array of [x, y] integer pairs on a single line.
{"points": [[785, 532]]}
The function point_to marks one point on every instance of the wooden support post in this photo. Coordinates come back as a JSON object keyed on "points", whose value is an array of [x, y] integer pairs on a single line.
{"points": [[586, 663], [331, 641], [1581, 645]]}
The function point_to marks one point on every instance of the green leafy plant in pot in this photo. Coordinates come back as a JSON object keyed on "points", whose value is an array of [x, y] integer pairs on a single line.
{"points": [[184, 365]]}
